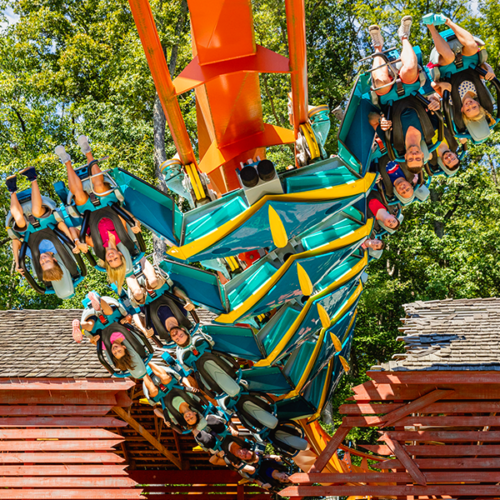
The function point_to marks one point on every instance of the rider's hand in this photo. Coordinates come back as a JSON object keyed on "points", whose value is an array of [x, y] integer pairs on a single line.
{"points": [[434, 103], [137, 228], [19, 269], [385, 124], [82, 246], [490, 74], [189, 306], [75, 249], [149, 333], [94, 339]]}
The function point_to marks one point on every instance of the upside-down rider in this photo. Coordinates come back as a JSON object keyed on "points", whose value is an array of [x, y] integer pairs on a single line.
{"points": [[413, 123], [469, 97], [45, 248], [107, 229]]}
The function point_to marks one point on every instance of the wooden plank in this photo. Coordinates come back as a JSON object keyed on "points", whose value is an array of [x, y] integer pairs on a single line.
{"points": [[57, 434], [331, 448], [435, 377], [54, 410], [371, 391], [39, 458], [149, 437], [416, 406], [195, 488], [61, 422], [59, 397], [208, 496], [216, 476], [398, 490], [68, 482], [73, 494], [63, 470], [393, 477], [65, 445], [446, 421], [445, 436], [406, 460], [363, 421], [444, 463], [439, 450], [368, 408], [66, 384], [448, 407]]}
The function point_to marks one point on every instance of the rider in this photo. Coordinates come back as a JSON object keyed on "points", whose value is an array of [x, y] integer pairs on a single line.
{"points": [[47, 248], [379, 210], [407, 117], [109, 235], [464, 85]]}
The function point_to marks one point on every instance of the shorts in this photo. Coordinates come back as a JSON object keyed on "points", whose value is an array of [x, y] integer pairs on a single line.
{"points": [[390, 88]]}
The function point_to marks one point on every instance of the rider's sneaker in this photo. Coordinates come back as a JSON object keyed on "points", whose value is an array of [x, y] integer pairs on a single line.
{"points": [[439, 19], [61, 152], [404, 29], [376, 35], [11, 183], [83, 142], [95, 300], [29, 173], [428, 19], [77, 332]]}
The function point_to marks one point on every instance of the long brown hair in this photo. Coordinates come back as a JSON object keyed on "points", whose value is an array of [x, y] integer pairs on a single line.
{"points": [[125, 362], [55, 273]]}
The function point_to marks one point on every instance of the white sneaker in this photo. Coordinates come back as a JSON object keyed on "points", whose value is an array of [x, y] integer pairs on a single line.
{"points": [[376, 35], [83, 142], [61, 152], [404, 29]]}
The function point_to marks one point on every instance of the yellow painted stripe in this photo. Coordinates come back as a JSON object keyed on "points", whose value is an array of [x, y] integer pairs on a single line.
{"points": [[319, 343], [311, 140], [295, 325], [324, 392], [333, 193], [243, 308], [196, 175], [192, 177]]}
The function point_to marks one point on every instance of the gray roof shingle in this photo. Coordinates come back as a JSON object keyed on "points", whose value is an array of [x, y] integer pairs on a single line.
{"points": [[38, 343], [449, 335]]}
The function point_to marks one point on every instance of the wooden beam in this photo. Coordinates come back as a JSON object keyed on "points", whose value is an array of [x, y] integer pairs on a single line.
{"points": [[74, 494], [216, 476], [448, 407], [66, 384], [399, 490], [57, 434], [444, 436], [446, 421], [54, 458], [444, 463], [65, 445], [179, 450], [415, 406], [393, 477], [68, 482], [63, 470], [331, 448], [406, 460], [440, 450], [145, 434], [61, 422], [55, 410], [371, 391], [436, 377], [58, 397]]}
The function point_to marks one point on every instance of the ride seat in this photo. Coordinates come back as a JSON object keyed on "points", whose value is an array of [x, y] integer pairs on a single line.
{"points": [[64, 288]]}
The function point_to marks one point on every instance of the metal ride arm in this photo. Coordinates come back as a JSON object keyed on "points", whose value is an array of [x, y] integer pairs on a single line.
{"points": [[155, 56], [438, 114], [29, 278]]}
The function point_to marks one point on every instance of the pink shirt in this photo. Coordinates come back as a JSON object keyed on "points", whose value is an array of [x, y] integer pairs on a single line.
{"points": [[103, 227], [114, 336]]}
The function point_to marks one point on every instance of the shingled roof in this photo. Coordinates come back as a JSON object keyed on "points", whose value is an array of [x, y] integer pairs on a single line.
{"points": [[449, 335], [38, 343]]}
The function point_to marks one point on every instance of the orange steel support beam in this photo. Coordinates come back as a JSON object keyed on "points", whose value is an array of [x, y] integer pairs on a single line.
{"points": [[297, 48], [146, 27]]}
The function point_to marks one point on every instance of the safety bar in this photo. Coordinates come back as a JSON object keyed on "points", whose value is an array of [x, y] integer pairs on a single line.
{"points": [[447, 110], [496, 84], [29, 278], [119, 210], [64, 238], [438, 114], [388, 137], [376, 54], [102, 359], [141, 335], [388, 63]]}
